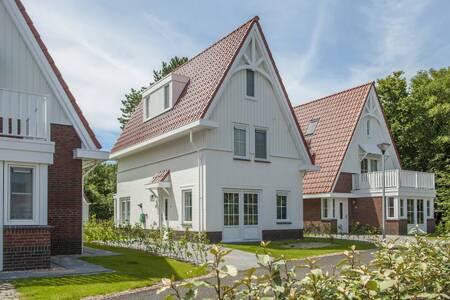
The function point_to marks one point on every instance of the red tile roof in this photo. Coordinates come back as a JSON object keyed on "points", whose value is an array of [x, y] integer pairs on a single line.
{"points": [[338, 115], [57, 73], [160, 176]]}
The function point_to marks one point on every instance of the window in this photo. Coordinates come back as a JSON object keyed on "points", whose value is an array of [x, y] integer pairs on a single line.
{"points": [[334, 208], [281, 206], [230, 209], [21, 193], [390, 207], [368, 127], [124, 210], [364, 166], [261, 144], [419, 211], [250, 209], [166, 209], [311, 127], [147, 106], [410, 213], [166, 97], [341, 210], [402, 207], [250, 83], [187, 202], [373, 165], [324, 208], [240, 141], [428, 208]]}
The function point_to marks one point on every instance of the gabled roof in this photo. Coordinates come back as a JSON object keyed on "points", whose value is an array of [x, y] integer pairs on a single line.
{"points": [[57, 73], [160, 176], [206, 71], [337, 116]]}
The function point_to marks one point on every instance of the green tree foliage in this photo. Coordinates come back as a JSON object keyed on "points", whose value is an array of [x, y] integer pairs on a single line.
{"points": [[166, 68], [99, 188], [419, 116], [134, 97]]}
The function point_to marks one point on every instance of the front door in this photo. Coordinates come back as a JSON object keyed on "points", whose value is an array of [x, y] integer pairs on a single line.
{"points": [[342, 215], [416, 215], [241, 216]]}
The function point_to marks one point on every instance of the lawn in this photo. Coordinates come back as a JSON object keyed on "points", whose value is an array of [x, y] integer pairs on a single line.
{"points": [[276, 249], [133, 268]]}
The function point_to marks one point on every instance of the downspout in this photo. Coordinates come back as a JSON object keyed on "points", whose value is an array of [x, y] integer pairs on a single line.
{"points": [[200, 182]]}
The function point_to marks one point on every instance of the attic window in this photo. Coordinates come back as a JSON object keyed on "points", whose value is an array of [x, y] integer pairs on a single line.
{"points": [[166, 97], [311, 127]]}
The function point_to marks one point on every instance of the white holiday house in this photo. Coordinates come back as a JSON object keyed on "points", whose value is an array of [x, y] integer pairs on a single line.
{"points": [[215, 146]]}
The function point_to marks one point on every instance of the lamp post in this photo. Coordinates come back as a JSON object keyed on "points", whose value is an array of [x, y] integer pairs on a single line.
{"points": [[383, 147]]}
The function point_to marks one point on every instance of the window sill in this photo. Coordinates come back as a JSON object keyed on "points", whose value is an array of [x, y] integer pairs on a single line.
{"points": [[283, 222], [241, 158], [260, 160], [187, 224], [250, 98]]}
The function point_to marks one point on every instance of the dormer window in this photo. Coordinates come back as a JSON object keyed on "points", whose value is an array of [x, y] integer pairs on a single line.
{"points": [[368, 127], [250, 83], [166, 97], [312, 127]]}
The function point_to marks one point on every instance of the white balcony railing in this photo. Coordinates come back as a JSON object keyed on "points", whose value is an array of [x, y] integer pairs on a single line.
{"points": [[23, 115], [394, 179]]}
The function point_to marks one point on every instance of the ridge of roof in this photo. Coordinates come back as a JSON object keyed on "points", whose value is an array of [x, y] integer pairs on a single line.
{"points": [[335, 94], [57, 73]]}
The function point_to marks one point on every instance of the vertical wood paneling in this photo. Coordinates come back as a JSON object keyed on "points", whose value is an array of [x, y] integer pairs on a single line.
{"points": [[20, 72]]}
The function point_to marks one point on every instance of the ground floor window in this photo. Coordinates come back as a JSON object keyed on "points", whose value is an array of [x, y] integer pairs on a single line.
{"points": [[166, 209], [124, 210], [428, 208], [250, 209], [390, 207], [402, 207], [281, 206], [420, 211], [410, 213], [231, 209], [21, 194], [324, 208], [187, 202]]}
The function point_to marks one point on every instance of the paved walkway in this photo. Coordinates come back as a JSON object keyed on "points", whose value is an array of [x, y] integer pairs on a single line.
{"points": [[62, 265], [327, 263], [8, 292]]}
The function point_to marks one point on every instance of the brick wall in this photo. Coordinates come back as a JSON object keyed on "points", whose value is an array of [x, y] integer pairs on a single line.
{"points": [[311, 209], [365, 211], [397, 227], [26, 247], [312, 217], [431, 225], [65, 192], [343, 183]]}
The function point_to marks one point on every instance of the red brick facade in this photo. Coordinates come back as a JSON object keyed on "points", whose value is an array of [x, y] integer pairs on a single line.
{"points": [[65, 192], [431, 225], [343, 183], [312, 217], [365, 211], [26, 247]]}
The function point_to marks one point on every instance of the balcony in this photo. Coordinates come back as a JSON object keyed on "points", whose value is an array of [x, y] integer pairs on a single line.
{"points": [[395, 179], [23, 115]]}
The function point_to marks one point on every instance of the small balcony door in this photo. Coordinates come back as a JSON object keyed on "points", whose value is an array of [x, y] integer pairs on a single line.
{"points": [[241, 216]]}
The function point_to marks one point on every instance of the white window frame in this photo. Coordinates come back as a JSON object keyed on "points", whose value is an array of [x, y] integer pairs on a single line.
{"points": [[401, 210], [239, 214], [283, 194], [121, 220], [36, 194], [368, 128], [247, 141], [388, 207], [312, 126], [254, 84], [266, 130], [331, 208], [183, 196]]}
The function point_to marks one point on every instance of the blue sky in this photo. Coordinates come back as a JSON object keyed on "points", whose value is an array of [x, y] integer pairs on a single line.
{"points": [[105, 47]]}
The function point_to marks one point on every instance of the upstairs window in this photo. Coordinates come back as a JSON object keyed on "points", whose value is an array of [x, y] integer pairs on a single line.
{"points": [[373, 165], [240, 141], [260, 144], [166, 97], [147, 106], [311, 127], [250, 83], [21, 194], [364, 166]]}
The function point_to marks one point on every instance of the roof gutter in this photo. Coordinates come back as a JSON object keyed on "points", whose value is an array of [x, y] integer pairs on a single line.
{"points": [[165, 137]]}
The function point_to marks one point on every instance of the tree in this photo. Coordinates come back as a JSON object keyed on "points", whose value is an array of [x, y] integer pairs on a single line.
{"points": [[419, 115], [134, 97], [166, 68], [99, 188]]}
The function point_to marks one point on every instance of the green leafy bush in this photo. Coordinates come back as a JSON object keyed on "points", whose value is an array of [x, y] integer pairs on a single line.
{"points": [[418, 269]]}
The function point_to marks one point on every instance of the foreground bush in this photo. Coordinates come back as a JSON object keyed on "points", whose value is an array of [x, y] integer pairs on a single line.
{"points": [[413, 270], [189, 246]]}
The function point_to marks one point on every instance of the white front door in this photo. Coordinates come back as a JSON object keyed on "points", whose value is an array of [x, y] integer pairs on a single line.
{"points": [[416, 215], [342, 215], [241, 216]]}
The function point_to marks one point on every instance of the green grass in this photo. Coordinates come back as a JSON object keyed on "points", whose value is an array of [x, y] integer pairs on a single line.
{"points": [[276, 249], [133, 268]]}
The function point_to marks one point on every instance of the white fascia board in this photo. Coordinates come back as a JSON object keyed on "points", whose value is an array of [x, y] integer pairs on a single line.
{"points": [[166, 137], [412, 193], [86, 154], [162, 184], [309, 168], [28, 151], [329, 195]]}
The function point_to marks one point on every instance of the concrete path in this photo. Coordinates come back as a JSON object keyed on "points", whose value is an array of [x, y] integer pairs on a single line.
{"points": [[8, 292], [62, 265], [327, 263], [240, 259]]}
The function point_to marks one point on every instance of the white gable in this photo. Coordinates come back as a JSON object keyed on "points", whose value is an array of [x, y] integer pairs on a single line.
{"points": [[365, 140], [268, 109]]}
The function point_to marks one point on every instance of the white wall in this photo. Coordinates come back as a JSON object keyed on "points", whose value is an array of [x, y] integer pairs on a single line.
{"points": [[19, 71], [378, 134]]}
